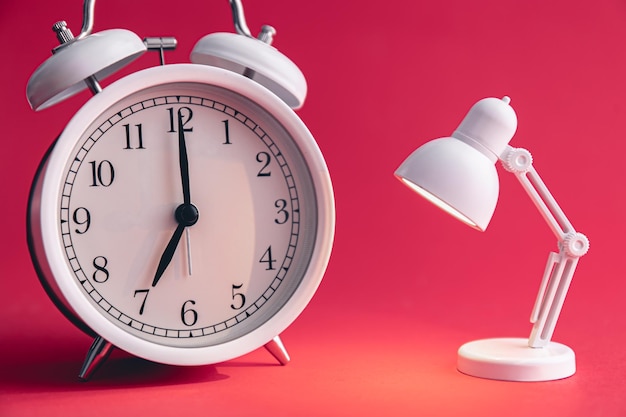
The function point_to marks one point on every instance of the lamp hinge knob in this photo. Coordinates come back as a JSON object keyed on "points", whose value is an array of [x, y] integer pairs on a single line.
{"points": [[575, 244], [517, 160]]}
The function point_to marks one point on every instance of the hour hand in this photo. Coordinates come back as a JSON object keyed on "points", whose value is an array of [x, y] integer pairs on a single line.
{"points": [[168, 254], [186, 215]]}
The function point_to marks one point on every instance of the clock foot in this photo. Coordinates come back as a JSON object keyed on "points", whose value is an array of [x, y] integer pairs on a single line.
{"points": [[98, 353], [277, 349]]}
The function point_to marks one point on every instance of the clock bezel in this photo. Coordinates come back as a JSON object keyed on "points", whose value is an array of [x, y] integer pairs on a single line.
{"points": [[48, 243]]}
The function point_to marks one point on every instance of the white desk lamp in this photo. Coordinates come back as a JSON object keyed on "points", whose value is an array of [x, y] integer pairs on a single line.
{"points": [[458, 174]]}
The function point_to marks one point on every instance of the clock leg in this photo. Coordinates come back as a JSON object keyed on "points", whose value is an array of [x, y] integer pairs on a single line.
{"points": [[98, 353], [277, 349]]}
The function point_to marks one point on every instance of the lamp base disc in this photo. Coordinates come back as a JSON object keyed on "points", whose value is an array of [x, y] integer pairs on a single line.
{"points": [[511, 359]]}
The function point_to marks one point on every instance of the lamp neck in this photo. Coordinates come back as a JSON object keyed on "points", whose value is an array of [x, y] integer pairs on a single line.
{"points": [[476, 145]]}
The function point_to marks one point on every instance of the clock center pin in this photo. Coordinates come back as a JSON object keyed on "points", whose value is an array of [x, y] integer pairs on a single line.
{"points": [[187, 214]]}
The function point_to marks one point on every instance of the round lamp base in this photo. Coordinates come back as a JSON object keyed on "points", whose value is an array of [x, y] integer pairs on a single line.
{"points": [[511, 359]]}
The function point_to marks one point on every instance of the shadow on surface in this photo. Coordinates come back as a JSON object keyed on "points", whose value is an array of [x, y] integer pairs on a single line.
{"points": [[118, 372], [56, 367]]}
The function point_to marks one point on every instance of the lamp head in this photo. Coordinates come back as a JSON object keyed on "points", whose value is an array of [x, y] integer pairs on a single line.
{"points": [[458, 173]]}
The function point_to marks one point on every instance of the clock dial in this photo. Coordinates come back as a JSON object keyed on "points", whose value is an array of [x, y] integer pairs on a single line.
{"points": [[243, 183]]}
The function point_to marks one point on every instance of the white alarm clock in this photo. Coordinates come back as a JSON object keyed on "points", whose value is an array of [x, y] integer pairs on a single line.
{"points": [[185, 214]]}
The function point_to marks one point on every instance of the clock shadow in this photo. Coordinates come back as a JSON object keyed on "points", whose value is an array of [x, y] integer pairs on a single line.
{"points": [[57, 371], [129, 371], [120, 372], [50, 360], [54, 367]]}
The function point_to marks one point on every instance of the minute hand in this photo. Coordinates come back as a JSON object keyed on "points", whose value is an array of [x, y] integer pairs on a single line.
{"points": [[183, 161]]}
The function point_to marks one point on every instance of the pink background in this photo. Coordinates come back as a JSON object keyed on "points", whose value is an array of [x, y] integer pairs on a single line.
{"points": [[406, 284]]}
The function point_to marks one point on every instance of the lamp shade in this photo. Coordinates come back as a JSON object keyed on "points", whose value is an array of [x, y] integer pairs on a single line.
{"points": [[455, 177], [458, 173]]}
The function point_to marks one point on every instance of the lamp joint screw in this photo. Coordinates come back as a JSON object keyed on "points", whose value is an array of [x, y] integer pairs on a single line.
{"points": [[575, 244], [517, 160]]}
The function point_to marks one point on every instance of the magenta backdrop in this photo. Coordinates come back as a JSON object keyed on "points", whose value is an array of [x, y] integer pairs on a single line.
{"points": [[406, 284]]}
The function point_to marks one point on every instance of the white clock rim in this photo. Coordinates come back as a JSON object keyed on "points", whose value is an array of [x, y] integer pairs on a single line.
{"points": [[53, 182]]}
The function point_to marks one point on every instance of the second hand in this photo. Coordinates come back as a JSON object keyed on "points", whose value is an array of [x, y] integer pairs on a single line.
{"points": [[188, 239]]}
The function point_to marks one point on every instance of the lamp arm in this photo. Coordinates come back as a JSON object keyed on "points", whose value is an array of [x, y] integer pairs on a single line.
{"points": [[560, 267]]}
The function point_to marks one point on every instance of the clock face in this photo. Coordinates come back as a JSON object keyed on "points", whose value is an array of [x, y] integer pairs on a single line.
{"points": [[250, 193]]}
